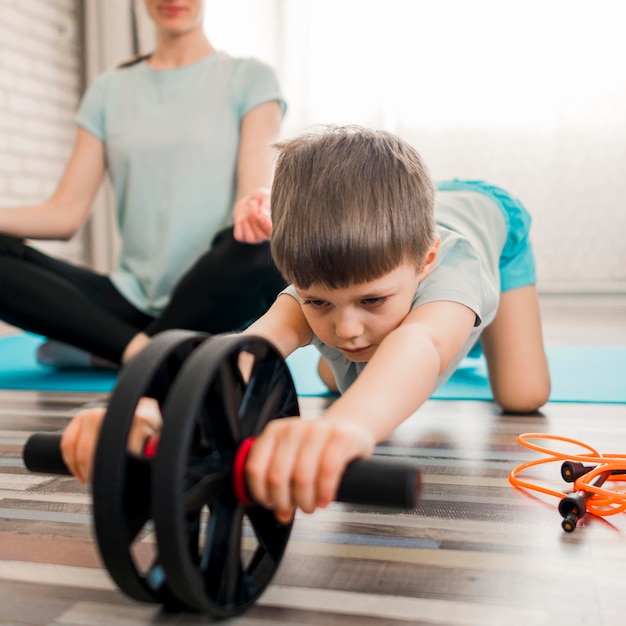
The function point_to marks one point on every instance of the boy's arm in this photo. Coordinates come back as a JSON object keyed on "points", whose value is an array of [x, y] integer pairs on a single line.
{"points": [[402, 373], [284, 325], [298, 463]]}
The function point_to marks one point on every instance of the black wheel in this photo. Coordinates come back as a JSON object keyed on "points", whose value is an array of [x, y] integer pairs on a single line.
{"points": [[208, 413], [122, 483]]}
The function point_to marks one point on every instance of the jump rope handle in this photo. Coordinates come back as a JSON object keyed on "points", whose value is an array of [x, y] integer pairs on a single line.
{"points": [[571, 471], [574, 505], [374, 482]]}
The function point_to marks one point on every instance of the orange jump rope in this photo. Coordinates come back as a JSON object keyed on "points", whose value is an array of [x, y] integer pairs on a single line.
{"points": [[589, 471]]}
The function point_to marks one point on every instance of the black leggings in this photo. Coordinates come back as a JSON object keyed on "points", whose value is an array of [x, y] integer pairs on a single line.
{"points": [[228, 287]]}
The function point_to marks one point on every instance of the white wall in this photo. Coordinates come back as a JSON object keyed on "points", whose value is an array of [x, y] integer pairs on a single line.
{"points": [[40, 86], [528, 94]]}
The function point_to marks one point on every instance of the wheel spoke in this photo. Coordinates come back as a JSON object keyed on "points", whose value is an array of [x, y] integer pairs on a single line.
{"points": [[262, 395], [155, 576], [270, 534], [272, 404], [231, 390], [221, 561], [136, 496], [135, 522], [272, 538], [206, 490]]}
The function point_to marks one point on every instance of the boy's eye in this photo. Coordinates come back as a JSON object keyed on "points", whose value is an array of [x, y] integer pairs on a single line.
{"points": [[316, 303], [374, 301]]}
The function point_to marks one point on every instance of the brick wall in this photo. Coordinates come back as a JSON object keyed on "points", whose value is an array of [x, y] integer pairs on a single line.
{"points": [[40, 88]]}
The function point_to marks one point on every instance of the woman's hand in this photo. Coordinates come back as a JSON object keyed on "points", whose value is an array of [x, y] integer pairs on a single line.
{"points": [[252, 220], [298, 463], [80, 438]]}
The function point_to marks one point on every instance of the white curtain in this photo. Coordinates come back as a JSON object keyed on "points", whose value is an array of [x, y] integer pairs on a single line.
{"points": [[111, 35], [528, 95], [107, 37]]}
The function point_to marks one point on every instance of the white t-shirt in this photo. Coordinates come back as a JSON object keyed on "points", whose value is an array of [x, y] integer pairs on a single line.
{"points": [[171, 139]]}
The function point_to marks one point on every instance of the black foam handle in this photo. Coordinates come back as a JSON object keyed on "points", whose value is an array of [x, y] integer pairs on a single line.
{"points": [[380, 482], [374, 482], [42, 454]]}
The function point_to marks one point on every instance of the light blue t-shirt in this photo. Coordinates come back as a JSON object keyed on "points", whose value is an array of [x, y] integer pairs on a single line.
{"points": [[473, 232], [171, 139]]}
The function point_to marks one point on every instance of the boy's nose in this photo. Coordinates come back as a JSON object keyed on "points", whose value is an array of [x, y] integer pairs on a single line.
{"points": [[348, 325]]}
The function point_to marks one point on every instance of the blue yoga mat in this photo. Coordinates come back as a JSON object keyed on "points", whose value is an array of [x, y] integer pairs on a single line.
{"points": [[20, 370], [579, 373]]}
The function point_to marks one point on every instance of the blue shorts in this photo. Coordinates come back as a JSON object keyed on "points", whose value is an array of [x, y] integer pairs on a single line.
{"points": [[517, 262]]}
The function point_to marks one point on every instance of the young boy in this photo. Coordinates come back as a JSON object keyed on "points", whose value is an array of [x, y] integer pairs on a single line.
{"points": [[380, 279]]}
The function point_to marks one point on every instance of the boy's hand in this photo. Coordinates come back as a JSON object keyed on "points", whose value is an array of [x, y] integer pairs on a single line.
{"points": [[298, 463], [80, 438], [251, 215]]}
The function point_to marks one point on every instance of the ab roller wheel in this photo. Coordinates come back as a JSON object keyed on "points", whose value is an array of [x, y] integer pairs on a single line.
{"points": [[122, 484], [216, 550], [210, 411]]}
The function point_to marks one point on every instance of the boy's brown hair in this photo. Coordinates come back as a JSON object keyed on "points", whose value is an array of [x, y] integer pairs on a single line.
{"points": [[349, 204]]}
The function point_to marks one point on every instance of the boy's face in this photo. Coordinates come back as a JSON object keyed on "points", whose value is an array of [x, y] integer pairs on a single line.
{"points": [[355, 319]]}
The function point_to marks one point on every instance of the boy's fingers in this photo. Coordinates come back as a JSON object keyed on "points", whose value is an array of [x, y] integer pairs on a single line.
{"points": [[78, 443], [149, 411], [280, 470], [69, 438], [269, 467], [256, 469], [330, 471], [342, 448], [146, 423], [86, 446], [304, 481], [285, 517]]}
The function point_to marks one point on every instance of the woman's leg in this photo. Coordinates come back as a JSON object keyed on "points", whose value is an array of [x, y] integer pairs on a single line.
{"points": [[228, 288], [516, 359], [64, 302]]}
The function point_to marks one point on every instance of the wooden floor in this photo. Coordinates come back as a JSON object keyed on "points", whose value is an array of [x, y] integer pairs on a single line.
{"points": [[475, 552]]}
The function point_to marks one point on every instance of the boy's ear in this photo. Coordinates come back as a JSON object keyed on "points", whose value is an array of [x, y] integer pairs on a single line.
{"points": [[430, 260]]}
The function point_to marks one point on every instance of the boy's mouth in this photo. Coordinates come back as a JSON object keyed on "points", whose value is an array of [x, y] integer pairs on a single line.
{"points": [[355, 351]]}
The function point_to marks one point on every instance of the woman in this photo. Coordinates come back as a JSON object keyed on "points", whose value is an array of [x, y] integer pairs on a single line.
{"points": [[184, 135]]}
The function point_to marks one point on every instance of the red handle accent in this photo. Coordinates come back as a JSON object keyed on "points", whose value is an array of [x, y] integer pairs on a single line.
{"points": [[239, 466], [239, 472], [150, 447]]}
